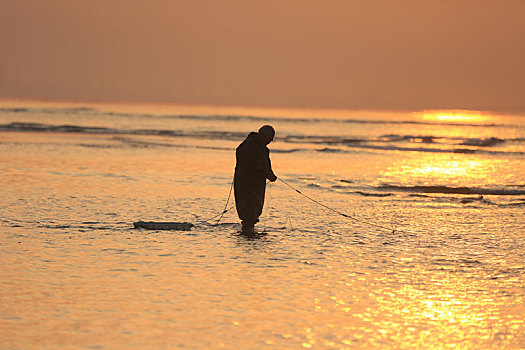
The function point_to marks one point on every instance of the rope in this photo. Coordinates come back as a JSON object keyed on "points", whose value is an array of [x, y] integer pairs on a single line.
{"points": [[339, 212], [226, 209], [220, 214], [226, 205]]}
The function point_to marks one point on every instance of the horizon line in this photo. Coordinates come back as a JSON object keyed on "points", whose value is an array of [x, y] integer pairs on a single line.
{"points": [[6, 99]]}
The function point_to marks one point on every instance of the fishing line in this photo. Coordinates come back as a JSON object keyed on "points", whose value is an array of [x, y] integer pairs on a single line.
{"points": [[226, 205], [220, 214], [341, 213], [226, 209]]}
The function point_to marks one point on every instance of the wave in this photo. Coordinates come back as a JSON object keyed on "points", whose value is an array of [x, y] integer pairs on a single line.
{"points": [[411, 143], [487, 142], [293, 150], [395, 138], [37, 127], [416, 149], [235, 118], [516, 204], [370, 194], [453, 190], [508, 196], [403, 143], [399, 149], [311, 139], [147, 144], [69, 110]]}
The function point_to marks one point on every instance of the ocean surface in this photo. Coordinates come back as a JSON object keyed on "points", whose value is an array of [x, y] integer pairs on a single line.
{"points": [[416, 238]]}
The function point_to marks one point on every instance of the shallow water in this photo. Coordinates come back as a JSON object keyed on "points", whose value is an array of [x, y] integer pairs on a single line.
{"points": [[448, 270]]}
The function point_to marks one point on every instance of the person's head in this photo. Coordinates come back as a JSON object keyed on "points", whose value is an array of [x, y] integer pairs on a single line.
{"points": [[266, 134]]}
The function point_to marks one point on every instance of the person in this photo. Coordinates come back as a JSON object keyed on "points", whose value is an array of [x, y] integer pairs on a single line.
{"points": [[253, 167]]}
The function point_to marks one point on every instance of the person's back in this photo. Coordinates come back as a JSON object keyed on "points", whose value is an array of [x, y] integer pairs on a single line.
{"points": [[252, 160], [253, 167]]}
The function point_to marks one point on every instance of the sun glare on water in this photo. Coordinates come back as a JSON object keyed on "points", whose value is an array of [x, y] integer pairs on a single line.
{"points": [[456, 116]]}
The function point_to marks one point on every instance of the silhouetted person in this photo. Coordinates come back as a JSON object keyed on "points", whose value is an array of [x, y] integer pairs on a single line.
{"points": [[251, 171]]}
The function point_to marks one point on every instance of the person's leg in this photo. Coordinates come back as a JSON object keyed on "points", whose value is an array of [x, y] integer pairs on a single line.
{"points": [[259, 202], [254, 209], [249, 212], [249, 201], [245, 205]]}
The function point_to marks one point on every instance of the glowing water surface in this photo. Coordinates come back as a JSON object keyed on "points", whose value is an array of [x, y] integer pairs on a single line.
{"points": [[75, 275]]}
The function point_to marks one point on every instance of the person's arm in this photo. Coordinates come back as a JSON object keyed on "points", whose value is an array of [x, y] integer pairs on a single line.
{"points": [[270, 174]]}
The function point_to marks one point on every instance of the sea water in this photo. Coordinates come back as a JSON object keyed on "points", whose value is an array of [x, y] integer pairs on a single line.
{"points": [[430, 251]]}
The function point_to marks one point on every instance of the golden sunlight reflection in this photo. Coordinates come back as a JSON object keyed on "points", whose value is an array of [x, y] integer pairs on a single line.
{"points": [[456, 116], [438, 169], [451, 308], [449, 168]]}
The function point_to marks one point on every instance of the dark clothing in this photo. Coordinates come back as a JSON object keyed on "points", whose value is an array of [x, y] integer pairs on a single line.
{"points": [[251, 171]]}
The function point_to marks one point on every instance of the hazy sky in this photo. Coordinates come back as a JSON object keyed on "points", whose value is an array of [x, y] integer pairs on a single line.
{"points": [[389, 54]]}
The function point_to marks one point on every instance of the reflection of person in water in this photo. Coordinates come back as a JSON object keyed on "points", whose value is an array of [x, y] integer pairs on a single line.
{"points": [[251, 171]]}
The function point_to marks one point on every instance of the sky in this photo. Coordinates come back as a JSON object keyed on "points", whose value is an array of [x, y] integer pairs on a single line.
{"points": [[384, 54]]}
